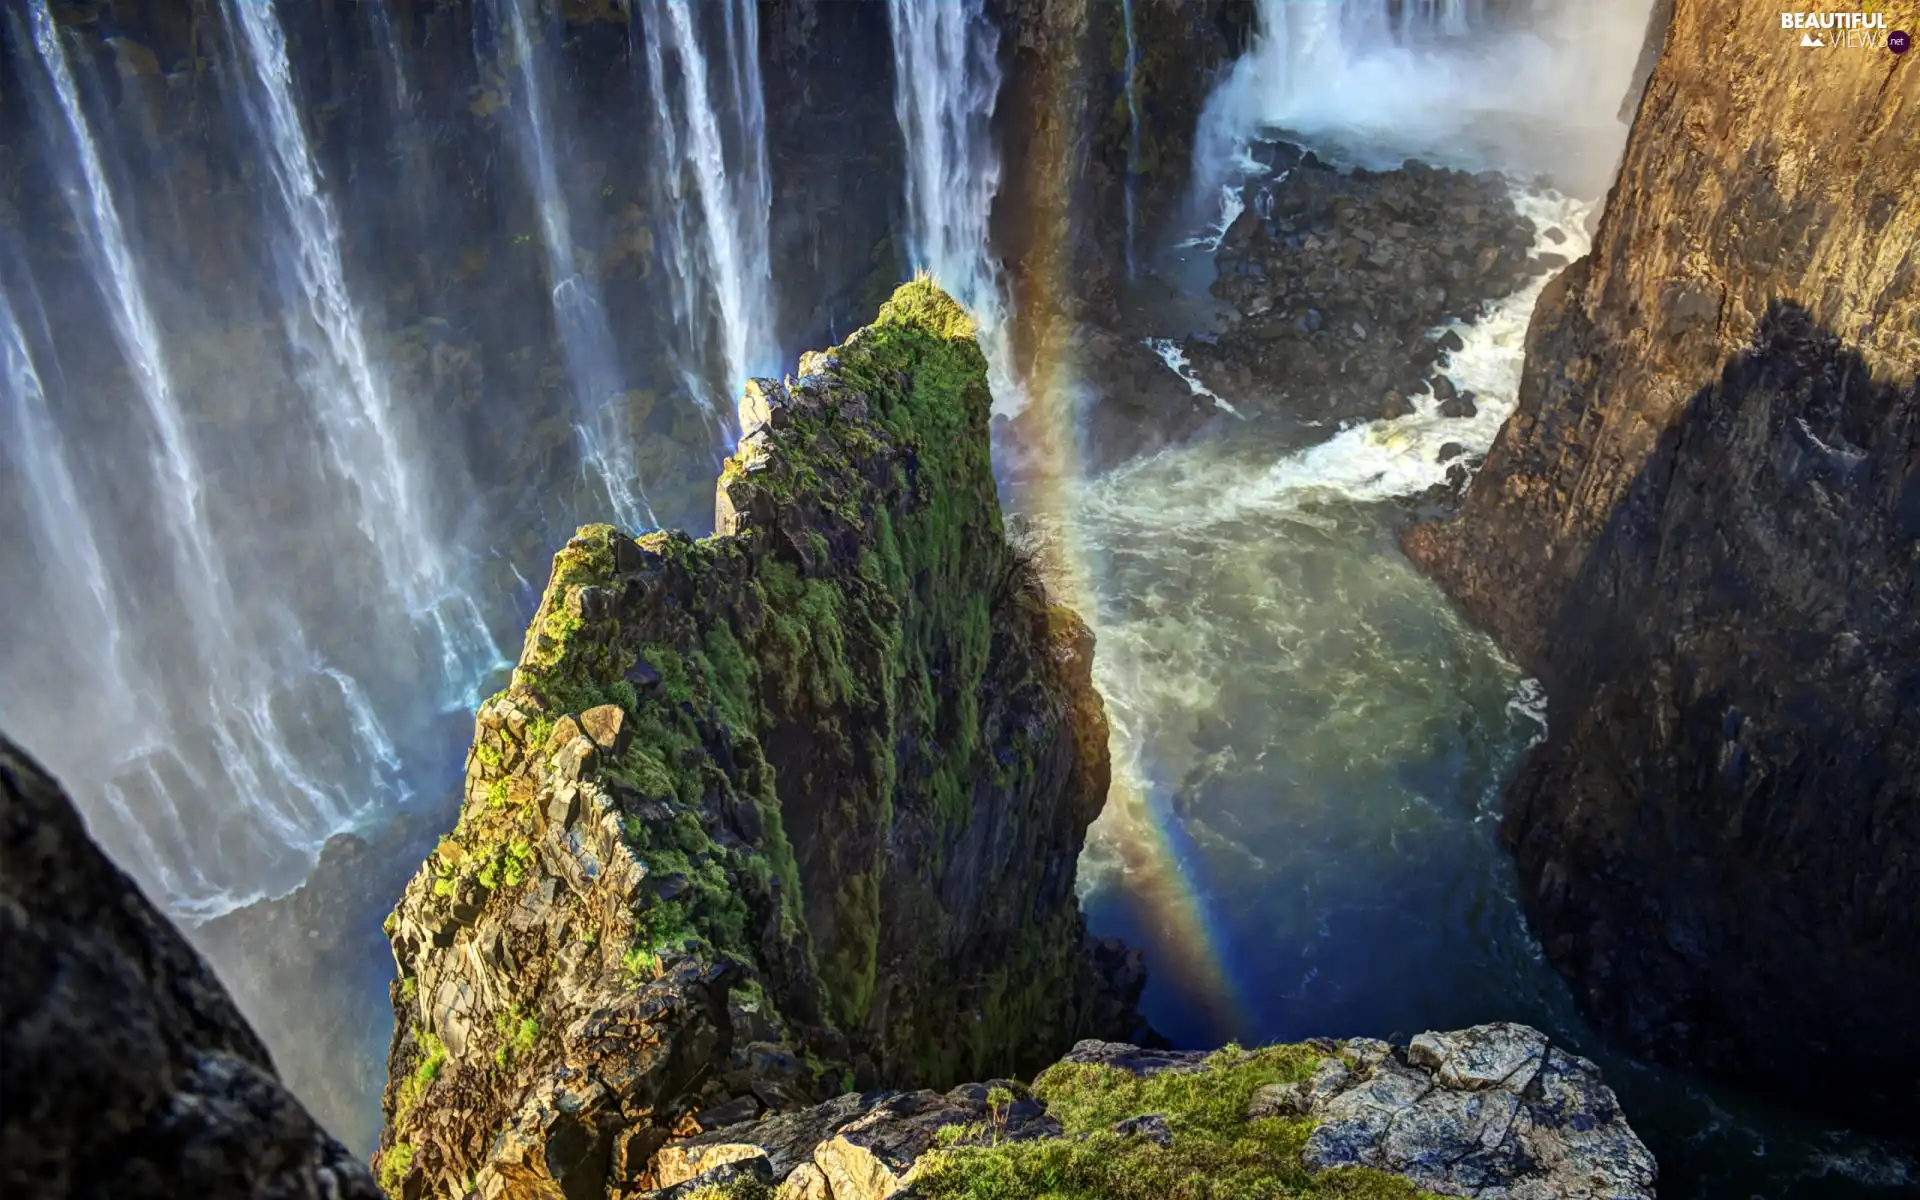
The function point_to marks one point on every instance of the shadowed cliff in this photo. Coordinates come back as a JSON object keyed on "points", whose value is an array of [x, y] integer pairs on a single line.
{"points": [[1699, 529], [768, 815], [128, 1072]]}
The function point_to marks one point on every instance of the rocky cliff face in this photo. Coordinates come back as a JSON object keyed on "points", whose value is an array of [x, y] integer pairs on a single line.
{"points": [[1699, 528], [1064, 107], [767, 815], [128, 1070]]}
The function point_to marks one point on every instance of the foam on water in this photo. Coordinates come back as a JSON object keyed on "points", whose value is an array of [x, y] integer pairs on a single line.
{"points": [[1380, 460]]}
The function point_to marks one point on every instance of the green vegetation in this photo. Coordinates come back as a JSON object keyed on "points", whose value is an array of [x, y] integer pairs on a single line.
{"points": [[857, 634], [395, 1161], [1215, 1154], [746, 1189], [518, 1031]]}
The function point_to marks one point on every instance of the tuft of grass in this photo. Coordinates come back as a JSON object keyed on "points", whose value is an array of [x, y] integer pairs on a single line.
{"points": [[1215, 1154]]}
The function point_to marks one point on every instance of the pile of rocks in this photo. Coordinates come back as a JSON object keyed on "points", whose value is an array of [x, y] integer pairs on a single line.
{"points": [[1339, 277], [1495, 1111]]}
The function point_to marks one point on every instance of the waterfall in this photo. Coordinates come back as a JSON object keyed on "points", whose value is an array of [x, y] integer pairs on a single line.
{"points": [[946, 82], [61, 526], [184, 716], [719, 230], [1133, 125], [349, 393], [593, 365], [1377, 81], [197, 569]]}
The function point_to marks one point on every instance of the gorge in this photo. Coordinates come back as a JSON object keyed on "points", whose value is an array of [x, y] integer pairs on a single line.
{"points": [[324, 326]]}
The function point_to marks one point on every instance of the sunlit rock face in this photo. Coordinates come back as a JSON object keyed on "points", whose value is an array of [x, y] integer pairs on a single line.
{"points": [[1699, 528], [129, 1072], [1494, 1111], [768, 815]]}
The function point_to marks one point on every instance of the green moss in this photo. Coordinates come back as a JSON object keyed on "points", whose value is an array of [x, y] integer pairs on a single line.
{"points": [[395, 1161], [1215, 1153], [745, 1189], [519, 1033]]}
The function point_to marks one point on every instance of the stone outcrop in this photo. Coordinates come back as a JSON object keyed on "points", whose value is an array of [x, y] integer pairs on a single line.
{"points": [[1339, 277], [1495, 1111], [128, 1070], [764, 816], [1699, 529]]}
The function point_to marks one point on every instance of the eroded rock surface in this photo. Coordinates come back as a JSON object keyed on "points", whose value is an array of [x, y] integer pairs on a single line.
{"points": [[765, 816], [1494, 1112], [1339, 277], [125, 1069], [1699, 529]]}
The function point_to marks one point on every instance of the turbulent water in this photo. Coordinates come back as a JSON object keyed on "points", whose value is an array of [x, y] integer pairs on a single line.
{"points": [[1309, 743]]}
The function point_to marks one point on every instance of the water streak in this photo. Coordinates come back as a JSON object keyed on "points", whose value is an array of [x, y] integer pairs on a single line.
{"points": [[1133, 125], [197, 569], [593, 366], [348, 391], [946, 83], [719, 231], [62, 526]]}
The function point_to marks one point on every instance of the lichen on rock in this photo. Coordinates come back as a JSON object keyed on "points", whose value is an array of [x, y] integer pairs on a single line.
{"points": [[1495, 1111], [766, 814]]}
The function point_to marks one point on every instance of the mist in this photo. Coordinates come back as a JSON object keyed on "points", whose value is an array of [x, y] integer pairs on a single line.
{"points": [[1529, 91]]}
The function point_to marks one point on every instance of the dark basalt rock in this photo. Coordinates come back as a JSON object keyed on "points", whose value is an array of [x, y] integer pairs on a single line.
{"points": [[1338, 279], [128, 1072], [1700, 530]]}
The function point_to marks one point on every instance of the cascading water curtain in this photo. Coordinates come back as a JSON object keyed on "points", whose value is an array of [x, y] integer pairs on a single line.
{"points": [[230, 588], [594, 372], [710, 112], [946, 82]]}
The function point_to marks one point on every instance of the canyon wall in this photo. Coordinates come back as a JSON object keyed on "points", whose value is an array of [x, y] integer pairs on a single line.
{"points": [[128, 1070], [1699, 529], [1065, 107], [766, 816]]}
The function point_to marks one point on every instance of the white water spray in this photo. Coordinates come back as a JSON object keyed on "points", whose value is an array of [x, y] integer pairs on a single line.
{"points": [[349, 393], [719, 232], [946, 82], [1438, 79], [586, 340], [1176, 359]]}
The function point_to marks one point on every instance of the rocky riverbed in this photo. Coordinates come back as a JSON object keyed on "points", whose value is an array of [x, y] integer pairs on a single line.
{"points": [[1338, 278]]}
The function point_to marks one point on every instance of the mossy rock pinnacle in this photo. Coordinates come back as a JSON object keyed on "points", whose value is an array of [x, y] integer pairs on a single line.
{"points": [[767, 813]]}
